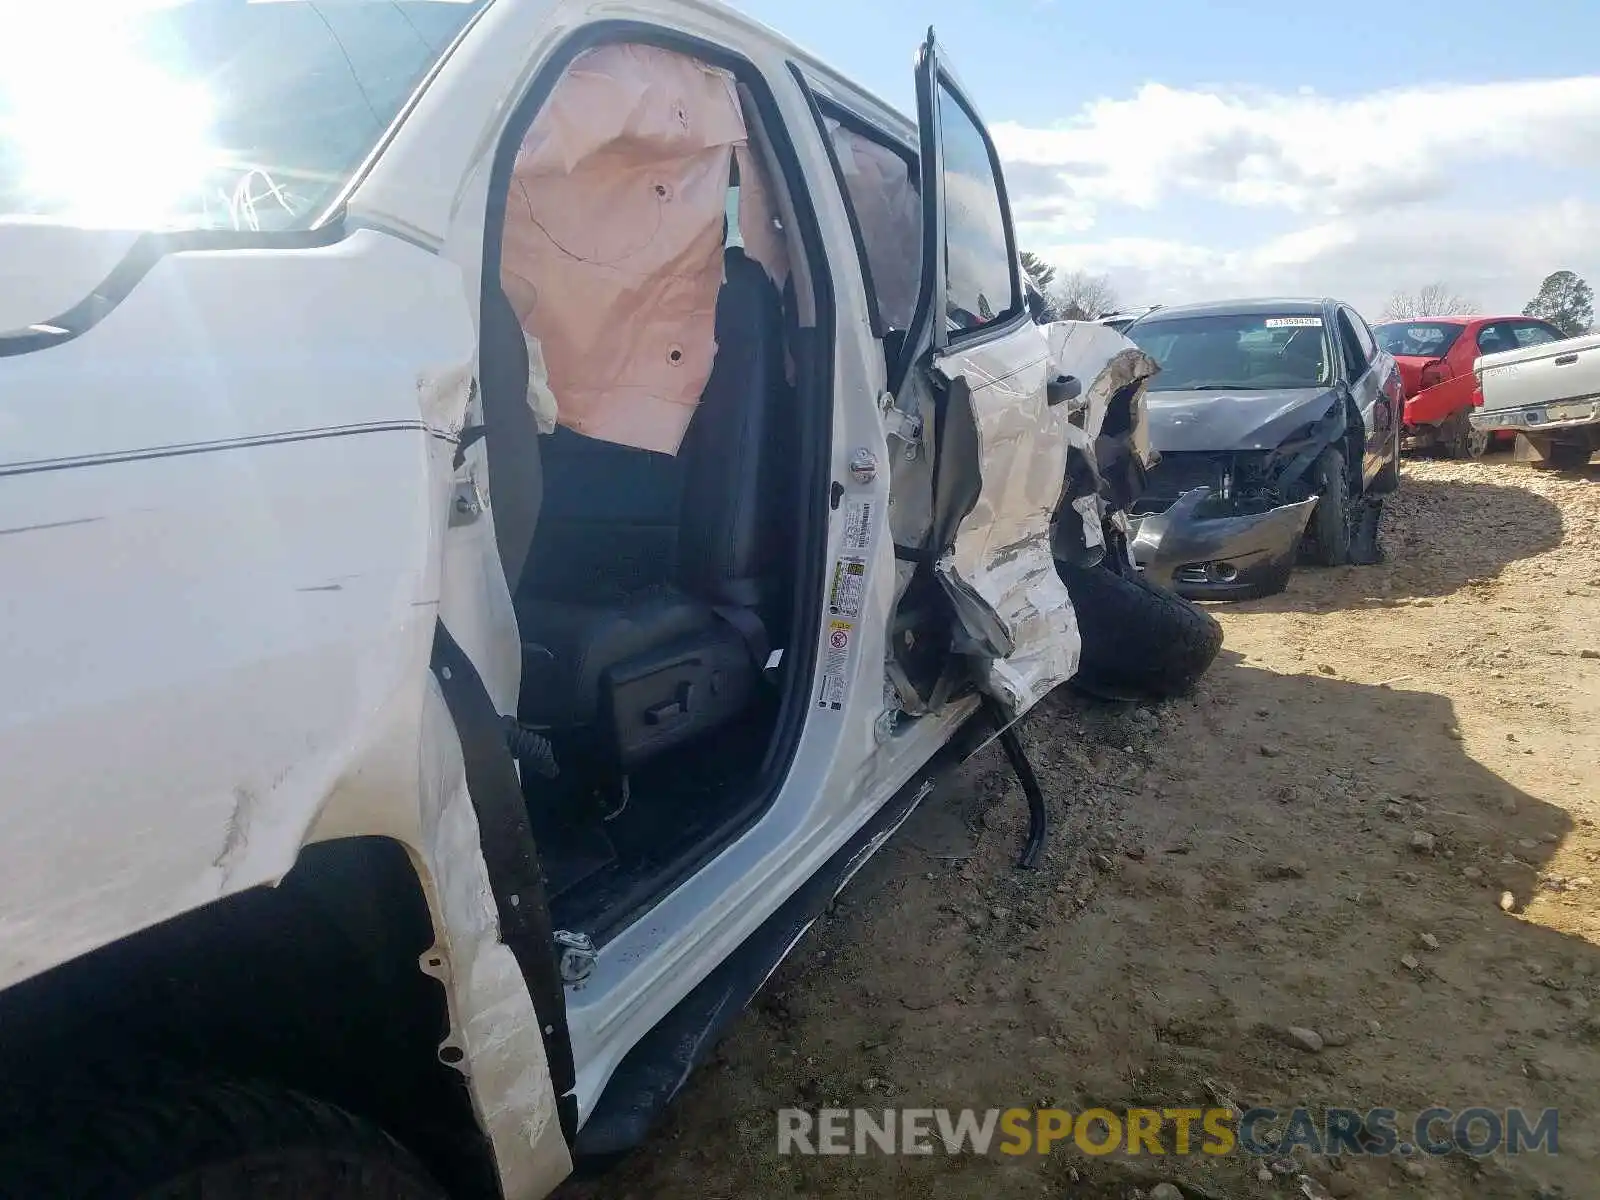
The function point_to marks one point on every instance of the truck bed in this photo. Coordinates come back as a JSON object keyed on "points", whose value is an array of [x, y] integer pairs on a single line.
{"points": [[1549, 373]]}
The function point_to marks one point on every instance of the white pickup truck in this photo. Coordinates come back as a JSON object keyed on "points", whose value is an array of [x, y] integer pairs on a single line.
{"points": [[1549, 395]]}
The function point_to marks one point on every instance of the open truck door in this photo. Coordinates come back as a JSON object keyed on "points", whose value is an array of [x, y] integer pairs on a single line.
{"points": [[979, 432]]}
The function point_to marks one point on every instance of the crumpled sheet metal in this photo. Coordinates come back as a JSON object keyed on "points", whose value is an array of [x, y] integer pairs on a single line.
{"points": [[889, 213], [614, 233], [1002, 550], [1104, 361]]}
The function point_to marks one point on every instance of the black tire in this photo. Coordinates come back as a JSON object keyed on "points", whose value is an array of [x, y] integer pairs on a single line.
{"points": [[1329, 534], [1459, 440], [207, 1141], [1139, 640]]}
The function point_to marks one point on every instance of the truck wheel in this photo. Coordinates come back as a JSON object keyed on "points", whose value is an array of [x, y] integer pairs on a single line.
{"points": [[1139, 640], [220, 1141], [1459, 439], [1330, 522]]}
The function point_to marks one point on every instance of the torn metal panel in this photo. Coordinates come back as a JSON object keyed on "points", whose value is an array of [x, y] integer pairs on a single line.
{"points": [[1001, 550], [1105, 362]]}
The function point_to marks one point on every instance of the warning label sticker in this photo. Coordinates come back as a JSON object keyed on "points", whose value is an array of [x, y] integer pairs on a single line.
{"points": [[836, 664], [858, 518], [844, 592], [1294, 322]]}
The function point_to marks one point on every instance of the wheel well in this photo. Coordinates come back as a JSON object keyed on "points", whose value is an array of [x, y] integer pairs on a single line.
{"points": [[313, 985]]}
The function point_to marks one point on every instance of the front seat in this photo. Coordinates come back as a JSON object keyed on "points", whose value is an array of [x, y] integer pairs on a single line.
{"points": [[618, 681]]}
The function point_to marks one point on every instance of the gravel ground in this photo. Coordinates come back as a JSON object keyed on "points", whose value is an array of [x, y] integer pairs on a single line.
{"points": [[1375, 821]]}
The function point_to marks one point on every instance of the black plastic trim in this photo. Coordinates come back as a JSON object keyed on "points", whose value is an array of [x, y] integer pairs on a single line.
{"points": [[510, 858], [930, 163]]}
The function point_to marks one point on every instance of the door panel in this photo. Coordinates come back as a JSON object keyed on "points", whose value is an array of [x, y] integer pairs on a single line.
{"points": [[1366, 386], [999, 450]]}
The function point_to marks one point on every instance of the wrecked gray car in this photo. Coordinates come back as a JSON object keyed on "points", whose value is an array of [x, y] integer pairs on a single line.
{"points": [[1275, 426]]}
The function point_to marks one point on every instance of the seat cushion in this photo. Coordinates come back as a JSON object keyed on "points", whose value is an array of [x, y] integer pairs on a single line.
{"points": [[622, 683], [566, 647]]}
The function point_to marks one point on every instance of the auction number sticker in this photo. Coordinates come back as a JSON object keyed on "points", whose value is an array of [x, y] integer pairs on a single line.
{"points": [[836, 664], [1294, 322]]}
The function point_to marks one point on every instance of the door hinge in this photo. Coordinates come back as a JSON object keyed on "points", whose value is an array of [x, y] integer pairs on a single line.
{"points": [[577, 955], [905, 427]]}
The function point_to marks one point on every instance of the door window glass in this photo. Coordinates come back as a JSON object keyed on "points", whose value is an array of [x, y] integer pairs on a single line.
{"points": [[1354, 361], [1529, 334], [980, 270], [1492, 339], [880, 188]]}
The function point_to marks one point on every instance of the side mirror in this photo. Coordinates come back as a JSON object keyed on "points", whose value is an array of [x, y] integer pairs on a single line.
{"points": [[1064, 389]]}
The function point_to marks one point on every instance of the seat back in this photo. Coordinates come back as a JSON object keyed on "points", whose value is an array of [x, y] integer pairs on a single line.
{"points": [[730, 511], [511, 441]]}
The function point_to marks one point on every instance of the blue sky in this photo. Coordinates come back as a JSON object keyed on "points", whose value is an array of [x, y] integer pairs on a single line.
{"points": [[1185, 150]]}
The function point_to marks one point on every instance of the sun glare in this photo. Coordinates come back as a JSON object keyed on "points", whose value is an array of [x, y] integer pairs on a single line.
{"points": [[104, 135]]}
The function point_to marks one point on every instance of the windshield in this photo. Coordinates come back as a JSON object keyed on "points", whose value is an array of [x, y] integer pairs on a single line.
{"points": [[203, 114], [1417, 339], [1235, 352]]}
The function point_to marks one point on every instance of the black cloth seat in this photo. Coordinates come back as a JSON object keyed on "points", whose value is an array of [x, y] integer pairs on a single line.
{"points": [[628, 676]]}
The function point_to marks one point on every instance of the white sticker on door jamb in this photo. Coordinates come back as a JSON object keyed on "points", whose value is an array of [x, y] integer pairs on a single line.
{"points": [[836, 665]]}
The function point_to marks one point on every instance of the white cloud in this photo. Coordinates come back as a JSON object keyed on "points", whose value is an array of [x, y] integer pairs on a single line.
{"points": [[1305, 152], [1363, 259], [1392, 190]]}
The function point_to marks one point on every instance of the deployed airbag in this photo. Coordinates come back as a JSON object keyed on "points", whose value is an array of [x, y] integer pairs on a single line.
{"points": [[614, 235]]}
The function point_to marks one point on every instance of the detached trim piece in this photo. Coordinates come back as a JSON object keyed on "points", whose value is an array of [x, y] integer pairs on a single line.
{"points": [[511, 859]]}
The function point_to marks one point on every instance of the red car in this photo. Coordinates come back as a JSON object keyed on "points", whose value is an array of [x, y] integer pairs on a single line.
{"points": [[1435, 355]]}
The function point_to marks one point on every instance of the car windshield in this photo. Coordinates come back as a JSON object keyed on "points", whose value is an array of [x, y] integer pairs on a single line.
{"points": [[203, 114], [1236, 352], [1417, 339]]}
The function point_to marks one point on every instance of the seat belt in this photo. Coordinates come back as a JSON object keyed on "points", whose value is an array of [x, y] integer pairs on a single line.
{"points": [[752, 632]]}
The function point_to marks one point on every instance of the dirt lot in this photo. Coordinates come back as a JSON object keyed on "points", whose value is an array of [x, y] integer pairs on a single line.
{"points": [[1320, 838]]}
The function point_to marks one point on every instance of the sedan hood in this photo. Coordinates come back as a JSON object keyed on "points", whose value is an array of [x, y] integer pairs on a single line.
{"points": [[1200, 421]]}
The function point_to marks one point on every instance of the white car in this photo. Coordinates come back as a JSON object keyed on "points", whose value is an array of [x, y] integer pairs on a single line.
{"points": [[502, 505]]}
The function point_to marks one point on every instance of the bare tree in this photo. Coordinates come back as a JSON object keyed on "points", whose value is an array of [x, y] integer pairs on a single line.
{"points": [[1080, 296], [1435, 300]]}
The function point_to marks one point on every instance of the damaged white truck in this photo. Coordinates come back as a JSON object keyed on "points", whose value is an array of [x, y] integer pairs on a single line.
{"points": [[504, 506]]}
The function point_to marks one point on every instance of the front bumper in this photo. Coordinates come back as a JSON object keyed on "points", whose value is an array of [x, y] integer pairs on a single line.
{"points": [[1219, 558], [1536, 418]]}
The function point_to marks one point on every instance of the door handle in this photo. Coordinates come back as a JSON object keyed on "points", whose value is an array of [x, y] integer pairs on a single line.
{"points": [[1566, 360]]}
